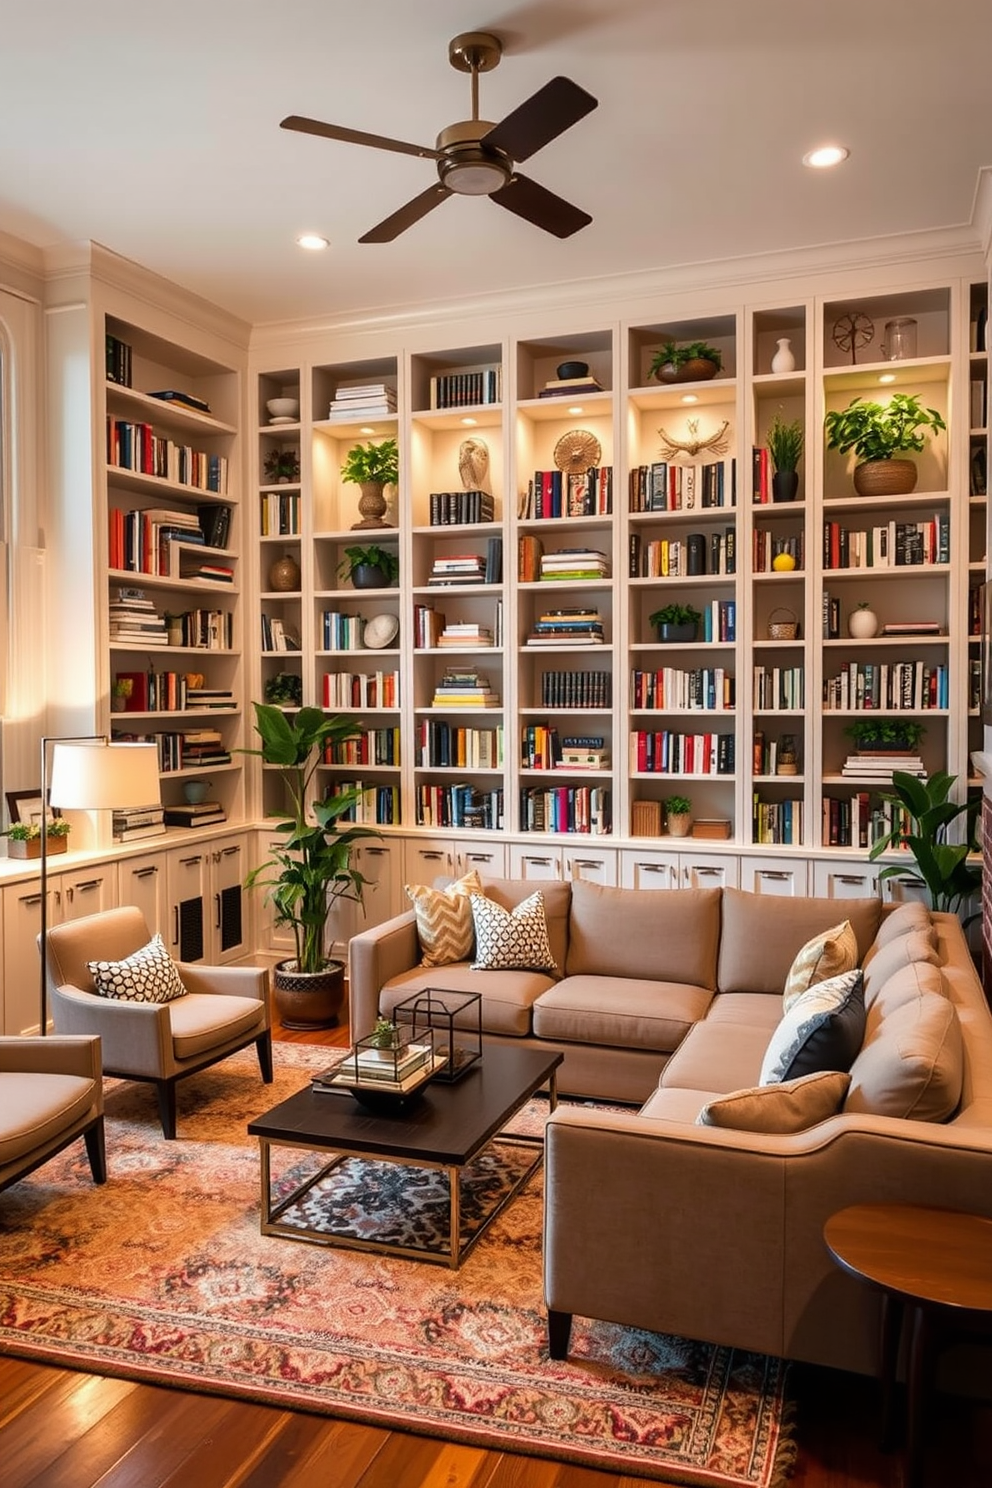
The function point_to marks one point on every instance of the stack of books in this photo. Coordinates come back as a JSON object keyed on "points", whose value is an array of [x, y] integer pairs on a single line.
{"points": [[587, 752], [398, 1073], [193, 566], [363, 400], [878, 764], [573, 627], [455, 508], [209, 697], [912, 628], [195, 814], [139, 821], [135, 620], [465, 634], [570, 387], [458, 568], [201, 747], [574, 563], [464, 688]]}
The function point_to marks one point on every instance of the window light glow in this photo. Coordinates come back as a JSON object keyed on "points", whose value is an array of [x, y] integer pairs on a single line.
{"points": [[824, 156]]}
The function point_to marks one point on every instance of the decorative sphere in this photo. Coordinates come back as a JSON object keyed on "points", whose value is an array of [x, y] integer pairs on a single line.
{"points": [[783, 563]]}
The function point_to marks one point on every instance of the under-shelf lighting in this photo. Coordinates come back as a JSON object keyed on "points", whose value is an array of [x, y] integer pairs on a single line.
{"points": [[313, 241], [366, 429], [825, 156], [689, 398], [887, 377], [470, 423], [576, 409]]}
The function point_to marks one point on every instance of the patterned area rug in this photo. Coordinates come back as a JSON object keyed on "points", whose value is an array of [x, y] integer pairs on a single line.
{"points": [[163, 1275]]}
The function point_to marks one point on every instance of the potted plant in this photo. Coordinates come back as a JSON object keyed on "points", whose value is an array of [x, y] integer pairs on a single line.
{"points": [[385, 1037], [696, 361], [371, 567], [678, 816], [372, 466], [24, 838], [886, 735], [281, 466], [120, 691], [310, 871], [785, 445], [284, 689], [676, 622], [862, 622], [878, 433], [927, 813]]}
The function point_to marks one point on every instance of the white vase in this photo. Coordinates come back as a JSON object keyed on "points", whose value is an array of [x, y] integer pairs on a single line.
{"points": [[862, 624], [784, 359]]}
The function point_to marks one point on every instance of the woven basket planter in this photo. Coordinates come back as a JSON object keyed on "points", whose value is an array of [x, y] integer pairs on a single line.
{"points": [[782, 625], [885, 477]]}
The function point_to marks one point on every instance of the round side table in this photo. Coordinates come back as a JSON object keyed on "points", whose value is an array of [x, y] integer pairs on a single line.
{"points": [[933, 1265]]}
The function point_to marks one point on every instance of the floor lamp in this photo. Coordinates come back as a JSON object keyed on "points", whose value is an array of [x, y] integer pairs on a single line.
{"points": [[90, 774]]}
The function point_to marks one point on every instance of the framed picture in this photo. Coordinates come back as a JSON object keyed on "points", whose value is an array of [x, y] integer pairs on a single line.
{"points": [[26, 807]]}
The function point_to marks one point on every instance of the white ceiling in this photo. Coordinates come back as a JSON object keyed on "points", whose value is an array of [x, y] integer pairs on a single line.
{"points": [[153, 129]]}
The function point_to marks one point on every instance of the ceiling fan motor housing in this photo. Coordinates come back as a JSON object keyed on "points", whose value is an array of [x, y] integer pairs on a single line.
{"points": [[466, 165]]}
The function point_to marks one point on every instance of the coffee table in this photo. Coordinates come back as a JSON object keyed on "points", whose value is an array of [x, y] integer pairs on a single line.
{"points": [[446, 1128]]}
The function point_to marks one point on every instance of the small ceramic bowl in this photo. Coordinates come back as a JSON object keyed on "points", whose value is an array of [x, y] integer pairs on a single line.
{"points": [[573, 369], [283, 407], [196, 791]]}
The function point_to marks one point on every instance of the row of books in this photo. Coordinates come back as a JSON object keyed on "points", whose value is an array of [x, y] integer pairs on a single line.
{"points": [[457, 508], [341, 631], [580, 809], [469, 568], [118, 361], [543, 748], [859, 820], [464, 687], [892, 545], [554, 493], [670, 485], [666, 752], [777, 822], [719, 624], [779, 687], [376, 805], [279, 514], [452, 746], [380, 746], [483, 386], [137, 448], [190, 749], [466, 635], [765, 756], [362, 400], [191, 814], [569, 626], [135, 823], [360, 690], [278, 635], [683, 557], [571, 564], [677, 689], [134, 620], [767, 546], [898, 686], [570, 387], [461, 805], [585, 689]]}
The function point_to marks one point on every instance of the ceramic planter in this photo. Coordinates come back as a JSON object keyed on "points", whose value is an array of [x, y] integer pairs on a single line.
{"points": [[785, 484], [308, 999], [679, 824], [369, 576], [885, 477], [669, 632], [862, 624]]}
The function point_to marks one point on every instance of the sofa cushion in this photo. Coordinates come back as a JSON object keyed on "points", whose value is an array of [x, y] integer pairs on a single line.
{"points": [[620, 1012], [716, 1056], [639, 933], [912, 1066], [916, 945], [791, 1106], [444, 919], [557, 898], [202, 1021], [674, 1104], [822, 1030], [507, 996], [762, 933], [36, 1108], [149, 975], [898, 921], [750, 1009], [511, 939], [904, 985], [827, 954]]}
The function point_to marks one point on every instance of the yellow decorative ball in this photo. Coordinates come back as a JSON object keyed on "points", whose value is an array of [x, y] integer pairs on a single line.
{"points": [[783, 563]]}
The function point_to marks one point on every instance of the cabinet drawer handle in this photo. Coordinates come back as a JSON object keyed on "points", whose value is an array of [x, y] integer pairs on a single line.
{"points": [[586, 863], [227, 852], [175, 924], [478, 857], [217, 915], [190, 862], [89, 885], [377, 852], [851, 878], [539, 862], [434, 856], [775, 873], [653, 867], [145, 872], [30, 899], [702, 872]]}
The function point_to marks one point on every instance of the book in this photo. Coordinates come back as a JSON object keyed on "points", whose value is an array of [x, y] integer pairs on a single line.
{"points": [[186, 400]]}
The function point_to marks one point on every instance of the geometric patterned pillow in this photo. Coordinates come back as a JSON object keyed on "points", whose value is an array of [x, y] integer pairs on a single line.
{"points": [[444, 920], [149, 975], [511, 940], [828, 953], [823, 1030]]}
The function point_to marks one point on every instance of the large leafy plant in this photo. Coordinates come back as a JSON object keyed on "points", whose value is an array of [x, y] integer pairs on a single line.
{"points": [[372, 462], [311, 869], [880, 431], [929, 812]]}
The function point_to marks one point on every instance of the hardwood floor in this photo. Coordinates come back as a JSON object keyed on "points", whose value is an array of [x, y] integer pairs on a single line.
{"points": [[62, 1428]]}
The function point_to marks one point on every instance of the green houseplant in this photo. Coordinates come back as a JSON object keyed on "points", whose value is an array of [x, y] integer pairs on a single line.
{"points": [[310, 870], [886, 733], [24, 838], [927, 812], [281, 466], [879, 433], [678, 815], [370, 567], [676, 622], [372, 466], [785, 445], [695, 361]]}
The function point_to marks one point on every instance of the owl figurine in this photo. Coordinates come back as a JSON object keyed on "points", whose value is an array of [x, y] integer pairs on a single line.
{"points": [[473, 464]]}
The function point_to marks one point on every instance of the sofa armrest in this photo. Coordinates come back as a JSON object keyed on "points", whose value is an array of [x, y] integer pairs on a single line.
{"points": [[374, 957], [136, 1036], [77, 1054]]}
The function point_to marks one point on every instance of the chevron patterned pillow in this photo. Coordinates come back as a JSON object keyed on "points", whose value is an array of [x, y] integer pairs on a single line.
{"points": [[444, 920], [511, 940]]}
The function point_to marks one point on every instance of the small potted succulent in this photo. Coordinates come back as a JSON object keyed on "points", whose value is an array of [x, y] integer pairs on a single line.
{"points": [[676, 622], [785, 445], [24, 838], [384, 1038], [370, 567], [696, 361], [678, 815], [879, 433]]}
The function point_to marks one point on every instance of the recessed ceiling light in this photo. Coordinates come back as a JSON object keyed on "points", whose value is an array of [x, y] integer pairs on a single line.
{"points": [[689, 398], [825, 156], [313, 241], [576, 409], [887, 377], [366, 429], [470, 423]]}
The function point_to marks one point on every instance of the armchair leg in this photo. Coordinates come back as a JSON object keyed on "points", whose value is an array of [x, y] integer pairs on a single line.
{"points": [[559, 1333], [264, 1046], [167, 1107], [96, 1150]]}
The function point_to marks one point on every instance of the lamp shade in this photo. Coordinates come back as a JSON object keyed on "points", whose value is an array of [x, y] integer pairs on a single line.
{"points": [[101, 777]]}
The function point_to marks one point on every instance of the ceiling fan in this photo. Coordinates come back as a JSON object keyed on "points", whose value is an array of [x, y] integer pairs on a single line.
{"points": [[478, 158]]}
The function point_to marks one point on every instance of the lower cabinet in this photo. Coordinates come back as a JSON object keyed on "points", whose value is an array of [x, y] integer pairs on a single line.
{"points": [[426, 859], [786, 877], [193, 897], [71, 894], [561, 862], [844, 881], [678, 870]]}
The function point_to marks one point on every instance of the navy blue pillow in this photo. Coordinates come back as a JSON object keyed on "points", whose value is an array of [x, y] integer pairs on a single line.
{"points": [[823, 1030]]}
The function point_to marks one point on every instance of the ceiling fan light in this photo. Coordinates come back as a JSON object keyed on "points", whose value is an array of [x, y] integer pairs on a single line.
{"points": [[474, 177], [826, 156], [313, 241]]}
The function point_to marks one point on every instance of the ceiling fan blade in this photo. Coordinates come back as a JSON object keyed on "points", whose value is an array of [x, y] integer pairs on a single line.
{"points": [[391, 227], [540, 206], [546, 114], [356, 137]]}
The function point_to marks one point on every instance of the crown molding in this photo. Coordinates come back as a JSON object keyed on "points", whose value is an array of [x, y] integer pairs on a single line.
{"points": [[22, 267], [982, 212]]}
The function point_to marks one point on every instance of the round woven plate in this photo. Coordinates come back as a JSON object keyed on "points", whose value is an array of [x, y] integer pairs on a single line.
{"points": [[576, 451]]}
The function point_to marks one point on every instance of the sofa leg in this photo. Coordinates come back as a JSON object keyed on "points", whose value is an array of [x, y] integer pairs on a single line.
{"points": [[264, 1046], [96, 1150], [167, 1107], [559, 1333]]}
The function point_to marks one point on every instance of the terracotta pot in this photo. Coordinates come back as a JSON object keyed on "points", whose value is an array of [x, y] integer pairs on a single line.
{"points": [[308, 999], [885, 477]]}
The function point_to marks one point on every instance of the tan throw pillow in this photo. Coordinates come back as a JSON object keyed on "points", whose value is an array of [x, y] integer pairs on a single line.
{"points": [[511, 940], [790, 1107], [444, 920], [913, 1066], [826, 955]]}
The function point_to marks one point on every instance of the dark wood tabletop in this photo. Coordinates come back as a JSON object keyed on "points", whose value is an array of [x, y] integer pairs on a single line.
{"points": [[448, 1124], [938, 1256]]}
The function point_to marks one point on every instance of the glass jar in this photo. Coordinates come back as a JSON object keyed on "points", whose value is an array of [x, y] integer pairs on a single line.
{"points": [[900, 339]]}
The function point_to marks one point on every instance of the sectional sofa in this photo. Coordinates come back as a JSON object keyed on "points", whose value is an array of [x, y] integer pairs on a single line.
{"points": [[669, 1001]]}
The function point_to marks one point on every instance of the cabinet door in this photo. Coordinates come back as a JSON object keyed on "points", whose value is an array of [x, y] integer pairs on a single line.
{"points": [[187, 878], [596, 864], [227, 939], [425, 861], [21, 961], [844, 881], [700, 871], [534, 863], [905, 888], [643, 871], [381, 863], [489, 861], [268, 934], [143, 882], [87, 891], [783, 876]]}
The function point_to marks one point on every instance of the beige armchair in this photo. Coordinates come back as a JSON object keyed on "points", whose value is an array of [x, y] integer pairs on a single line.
{"points": [[51, 1092], [225, 1009]]}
